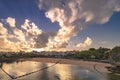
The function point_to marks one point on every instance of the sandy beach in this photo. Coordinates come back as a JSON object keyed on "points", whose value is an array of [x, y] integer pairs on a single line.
{"points": [[97, 66]]}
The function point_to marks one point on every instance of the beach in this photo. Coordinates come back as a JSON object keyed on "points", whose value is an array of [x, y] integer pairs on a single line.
{"points": [[97, 66]]}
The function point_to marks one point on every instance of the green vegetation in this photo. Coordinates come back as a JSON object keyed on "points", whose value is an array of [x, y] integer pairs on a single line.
{"points": [[99, 54], [115, 54], [112, 56], [20, 55], [114, 76], [103, 55], [92, 53]]}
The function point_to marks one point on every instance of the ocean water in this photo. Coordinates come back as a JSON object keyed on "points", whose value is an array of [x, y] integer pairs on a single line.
{"points": [[31, 70]]}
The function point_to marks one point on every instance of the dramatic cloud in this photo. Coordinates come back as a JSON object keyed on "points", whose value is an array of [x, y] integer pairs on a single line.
{"points": [[31, 28], [86, 43], [13, 38], [3, 30], [11, 21], [73, 15], [42, 39]]}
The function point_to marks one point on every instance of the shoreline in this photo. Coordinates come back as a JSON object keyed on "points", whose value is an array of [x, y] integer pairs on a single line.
{"points": [[97, 66], [91, 65]]}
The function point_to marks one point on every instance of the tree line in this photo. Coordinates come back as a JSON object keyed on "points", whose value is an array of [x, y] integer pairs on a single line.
{"points": [[97, 54]]}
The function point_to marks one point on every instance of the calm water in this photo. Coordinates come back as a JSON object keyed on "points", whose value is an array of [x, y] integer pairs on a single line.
{"points": [[30, 70]]}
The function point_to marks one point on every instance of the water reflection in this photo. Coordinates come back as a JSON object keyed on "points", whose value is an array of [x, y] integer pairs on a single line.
{"points": [[46, 71]]}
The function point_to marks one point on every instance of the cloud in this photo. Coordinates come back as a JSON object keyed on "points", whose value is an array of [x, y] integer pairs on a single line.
{"points": [[103, 42], [6, 45], [30, 28], [3, 30], [42, 39], [11, 21], [18, 34], [98, 11], [13, 38], [86, 43], [73, 15]]}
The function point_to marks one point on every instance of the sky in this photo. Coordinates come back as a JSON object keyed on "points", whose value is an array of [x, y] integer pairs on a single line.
{"points": [[60, 25]]}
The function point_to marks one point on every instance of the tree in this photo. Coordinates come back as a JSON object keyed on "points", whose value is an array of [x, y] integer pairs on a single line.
{"points": [[115, 60], [100, 53], [115, 54], [103, 53]]}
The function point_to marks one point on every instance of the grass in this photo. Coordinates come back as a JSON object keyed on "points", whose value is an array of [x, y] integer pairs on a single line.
{"points": [[114, 76]]}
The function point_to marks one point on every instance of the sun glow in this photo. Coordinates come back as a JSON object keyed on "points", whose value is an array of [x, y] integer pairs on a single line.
{"points": [[38, 49]]}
